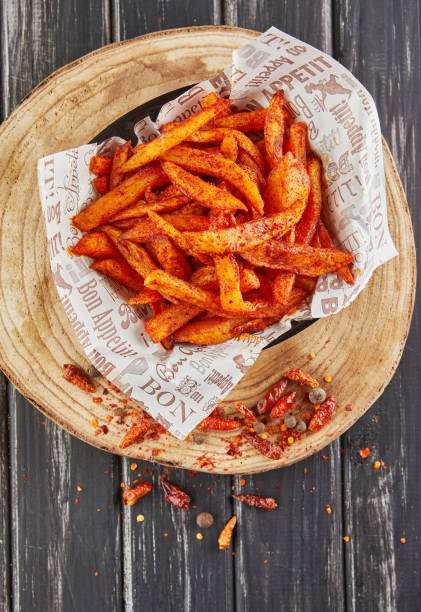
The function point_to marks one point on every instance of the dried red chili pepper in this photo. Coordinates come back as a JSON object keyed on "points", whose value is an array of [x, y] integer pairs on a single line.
{"points": [[135, 433], [219, 423], [246, 412], [77, 377], [301, 377], [265, 447], [271, 397], [283, 405], [323, 415], [226, 534], [132, 494], [175, 495], [267, 503]]}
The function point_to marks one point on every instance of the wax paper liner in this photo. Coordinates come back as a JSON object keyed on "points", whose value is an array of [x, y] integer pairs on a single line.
{"points": [[181, 387]]}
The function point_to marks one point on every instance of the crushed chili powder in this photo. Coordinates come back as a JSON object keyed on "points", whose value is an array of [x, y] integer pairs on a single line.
{"points": [[364, 453]]}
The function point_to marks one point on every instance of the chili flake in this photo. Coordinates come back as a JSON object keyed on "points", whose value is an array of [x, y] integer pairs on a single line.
{"points": [[94, 423], [133, 466], [364, 453], [376, 465], [290, 440], [327, 379], [242, 482], [140, 518], [346, 538], [328, 509], [199, 536], [311, 356], [79, 488], [403, 540]]}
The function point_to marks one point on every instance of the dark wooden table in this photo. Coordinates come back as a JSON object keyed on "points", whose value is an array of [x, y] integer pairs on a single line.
{"points": [[56, 554]]}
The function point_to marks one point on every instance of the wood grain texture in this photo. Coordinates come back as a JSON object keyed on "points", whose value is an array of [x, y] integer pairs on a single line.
{"points": [[380, 43], [166, 566], [5, 572], [57, 545], [39, 326], [135, 17], [308, 21]]}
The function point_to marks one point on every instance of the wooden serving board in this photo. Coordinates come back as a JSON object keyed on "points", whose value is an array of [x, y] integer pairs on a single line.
{"points": [[359, 348]]}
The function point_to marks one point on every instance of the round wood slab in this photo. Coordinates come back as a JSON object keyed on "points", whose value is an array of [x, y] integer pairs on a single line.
{"points": [[66, 110]]}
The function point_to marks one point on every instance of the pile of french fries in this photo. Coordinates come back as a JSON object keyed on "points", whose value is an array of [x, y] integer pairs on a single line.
{"points": [[215, 224]]}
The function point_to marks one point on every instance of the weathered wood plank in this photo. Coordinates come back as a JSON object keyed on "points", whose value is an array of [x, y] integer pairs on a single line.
{"points": [[4, 499], [280, 561], [379, 42], [165, 566], [174, 571], [133, 17], [57, 544], [308, 21]]}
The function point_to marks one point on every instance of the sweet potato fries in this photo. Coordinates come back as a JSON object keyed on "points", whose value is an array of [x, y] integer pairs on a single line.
{"points": [[215, 224]]}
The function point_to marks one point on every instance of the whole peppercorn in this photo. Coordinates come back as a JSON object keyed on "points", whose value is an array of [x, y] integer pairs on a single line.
{"points": [[290, 421], [301, 426], [198, 438], [317, 396], [259, 427], [204, 520]]}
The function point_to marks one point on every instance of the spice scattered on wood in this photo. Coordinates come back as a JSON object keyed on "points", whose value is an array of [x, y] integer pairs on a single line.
{"points": [[323, 415], [267, 503], [135, 433], [77, 377], [140, 518], [225, 536], [317, 396], [364, 453], [283, 405], [272, 396], [133, 494], [199, 536], [204, 520], [174, 495], [265, 447], [301, 377], [245, 411], [403, 540], [327, 379], [376, 465], [346, 538], [218, 423]]}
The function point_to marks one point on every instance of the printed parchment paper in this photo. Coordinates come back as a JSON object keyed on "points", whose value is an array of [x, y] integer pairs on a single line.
{"points": [[181, 387]]}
